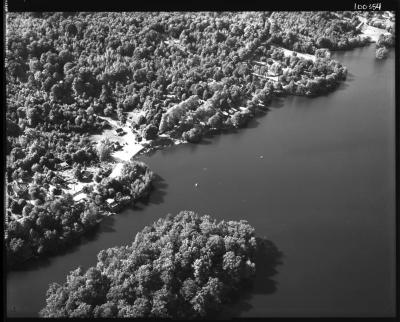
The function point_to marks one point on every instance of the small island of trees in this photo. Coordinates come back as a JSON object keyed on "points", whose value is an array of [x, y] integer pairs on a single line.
{"points": [[384, 42], [183, 266]]}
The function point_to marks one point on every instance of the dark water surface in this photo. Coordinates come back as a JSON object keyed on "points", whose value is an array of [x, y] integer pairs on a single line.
{"points": [[323, 192]]}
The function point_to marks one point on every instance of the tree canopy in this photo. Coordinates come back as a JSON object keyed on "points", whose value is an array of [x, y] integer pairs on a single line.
{"points": [[183, 266]]}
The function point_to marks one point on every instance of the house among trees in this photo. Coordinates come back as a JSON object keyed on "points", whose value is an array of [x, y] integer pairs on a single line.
{"points": [[112, 204], [86, 175], [116, 146], [55, 190], [275, 70], [16, 188], [63, 166], [22, 185], [359, 27], [388, 14], [25, 177]]}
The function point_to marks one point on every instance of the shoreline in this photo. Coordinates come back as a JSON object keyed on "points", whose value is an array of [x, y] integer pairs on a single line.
{"points": [[130, 147], [369, 31], [372, 32], [79, 182]]}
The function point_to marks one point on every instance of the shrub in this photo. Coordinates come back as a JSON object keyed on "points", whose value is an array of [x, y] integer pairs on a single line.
{"points": [[381, 53], [192, 136], [240, 119]]}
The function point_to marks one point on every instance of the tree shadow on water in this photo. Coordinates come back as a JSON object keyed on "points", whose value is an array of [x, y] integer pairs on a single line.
{"points": [[267, 258], [204, 141], [342, 86], [253, 124], [350, 77], [277, 102], [92, 235], [106, 226], [156, 196]]}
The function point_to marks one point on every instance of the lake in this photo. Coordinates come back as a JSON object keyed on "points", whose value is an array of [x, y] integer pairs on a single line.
{"points": [[314, 176]]}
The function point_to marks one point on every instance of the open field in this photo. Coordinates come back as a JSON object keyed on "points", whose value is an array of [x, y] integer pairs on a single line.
{"points": [[288, 52], [373, 32]]}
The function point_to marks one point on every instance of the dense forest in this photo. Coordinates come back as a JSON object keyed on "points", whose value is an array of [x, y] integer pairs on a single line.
{"points": [[188, 74], [308, 31], [382, 45], [183, 266], [64, 70]]}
